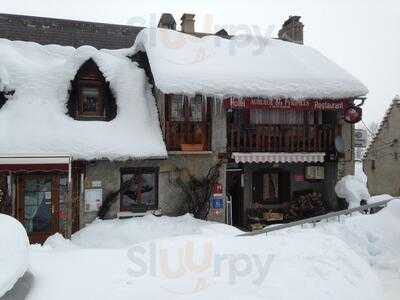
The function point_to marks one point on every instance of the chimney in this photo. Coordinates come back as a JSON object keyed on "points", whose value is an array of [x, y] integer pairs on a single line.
{"points": [[292, 30], [167, 21], [187, 23]]}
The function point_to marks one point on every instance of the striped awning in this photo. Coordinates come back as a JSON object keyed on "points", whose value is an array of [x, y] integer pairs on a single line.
{"points": [[280, 157]]}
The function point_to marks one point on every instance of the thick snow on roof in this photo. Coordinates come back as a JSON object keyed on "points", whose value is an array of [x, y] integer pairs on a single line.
{"points": [[34, 120], [243, 66]]}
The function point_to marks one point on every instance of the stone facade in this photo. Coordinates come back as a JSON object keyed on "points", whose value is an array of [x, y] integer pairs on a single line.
{"points": [[382, 160], [170, 197]]}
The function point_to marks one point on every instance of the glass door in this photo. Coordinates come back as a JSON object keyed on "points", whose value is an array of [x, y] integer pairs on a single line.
{"points": [[38, 209]]}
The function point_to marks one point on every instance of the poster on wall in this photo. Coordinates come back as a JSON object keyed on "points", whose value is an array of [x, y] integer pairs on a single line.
{"points": [[93, 199]]}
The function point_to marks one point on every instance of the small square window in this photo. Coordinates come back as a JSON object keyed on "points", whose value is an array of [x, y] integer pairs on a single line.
{"points": [[141, 194], [91, 100]]}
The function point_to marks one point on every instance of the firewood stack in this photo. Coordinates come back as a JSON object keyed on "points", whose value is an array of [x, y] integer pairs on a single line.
{"points": [[306, 205]]}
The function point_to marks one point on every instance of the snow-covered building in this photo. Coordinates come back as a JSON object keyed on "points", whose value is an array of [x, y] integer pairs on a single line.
{"points": [[382, 157], [80, 125]]}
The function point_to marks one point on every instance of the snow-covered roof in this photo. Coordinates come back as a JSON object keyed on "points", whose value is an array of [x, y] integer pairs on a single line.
{"points": [[242, 66], [34, 120]]}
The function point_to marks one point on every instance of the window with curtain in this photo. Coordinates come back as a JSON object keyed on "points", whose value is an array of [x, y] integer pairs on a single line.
{"points": [[285, 117], [185, 108]]}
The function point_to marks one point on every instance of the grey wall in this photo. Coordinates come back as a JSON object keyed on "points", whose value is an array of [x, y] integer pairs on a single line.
{"points": [[385, 179], [170, 196]]}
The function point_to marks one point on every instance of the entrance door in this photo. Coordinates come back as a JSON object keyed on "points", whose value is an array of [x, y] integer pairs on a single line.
{"points": [[38, 205], [235, 190]]}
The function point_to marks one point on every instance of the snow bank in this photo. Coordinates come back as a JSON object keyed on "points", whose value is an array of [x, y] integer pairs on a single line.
{"points": [[353, 189], [375, 238], [192, 259], [34, 120], [123, 233], [243, 66], [13, 252]]}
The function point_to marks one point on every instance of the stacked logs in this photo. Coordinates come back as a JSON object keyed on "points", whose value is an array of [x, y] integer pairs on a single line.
{"points": [[306, 205]]}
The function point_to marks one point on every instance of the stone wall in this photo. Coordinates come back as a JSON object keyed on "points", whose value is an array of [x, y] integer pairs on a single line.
{"points": [[382, 162], [170, 196]]}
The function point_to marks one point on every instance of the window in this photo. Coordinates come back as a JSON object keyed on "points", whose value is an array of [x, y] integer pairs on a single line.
{"points": [[91, 97], [260, 116], [139, 189], [188, 123], [271, 188], [187, 109]]}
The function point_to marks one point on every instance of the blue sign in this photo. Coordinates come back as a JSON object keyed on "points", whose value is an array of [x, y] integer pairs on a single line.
{"points": [[217, 203]]}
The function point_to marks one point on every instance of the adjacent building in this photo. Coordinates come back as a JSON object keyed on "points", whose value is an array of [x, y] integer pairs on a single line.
{"points": [[381, 161], [79, 125]]}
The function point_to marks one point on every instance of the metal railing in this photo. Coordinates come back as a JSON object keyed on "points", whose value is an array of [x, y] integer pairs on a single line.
{"points": [[314, 220]]}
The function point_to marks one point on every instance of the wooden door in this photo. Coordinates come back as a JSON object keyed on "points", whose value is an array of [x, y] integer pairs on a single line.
{"points": [[235, 190], [38, 205]]}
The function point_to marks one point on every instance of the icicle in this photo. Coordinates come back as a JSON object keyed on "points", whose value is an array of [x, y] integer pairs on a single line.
{"points": [[204, 103], [220, 105]]}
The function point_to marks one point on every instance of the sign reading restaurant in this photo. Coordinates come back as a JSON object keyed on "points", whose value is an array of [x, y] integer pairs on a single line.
{"points": [[258, 103]]}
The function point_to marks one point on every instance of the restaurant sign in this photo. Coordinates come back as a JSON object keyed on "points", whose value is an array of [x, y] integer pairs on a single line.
{"points": [[257, 103]]}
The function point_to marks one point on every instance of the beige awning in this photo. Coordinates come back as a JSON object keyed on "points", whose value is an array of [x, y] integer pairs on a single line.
{"points": [[280, 157]]}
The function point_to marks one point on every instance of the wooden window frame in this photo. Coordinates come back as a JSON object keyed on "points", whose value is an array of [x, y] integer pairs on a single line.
{"points": [[100, 114], [205, 123], [140, 170], [284, 187]]}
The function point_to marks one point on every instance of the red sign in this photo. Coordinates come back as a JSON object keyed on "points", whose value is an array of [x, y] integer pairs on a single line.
{"points": [[217, 189], [353, 114], [259, 103]]}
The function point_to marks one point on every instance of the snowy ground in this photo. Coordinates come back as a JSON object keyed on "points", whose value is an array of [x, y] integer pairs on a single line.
{"points": [[161, 258], [13, 252]]}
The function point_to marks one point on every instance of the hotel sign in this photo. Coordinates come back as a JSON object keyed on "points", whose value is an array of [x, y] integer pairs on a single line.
{"points": [[256, 103]]}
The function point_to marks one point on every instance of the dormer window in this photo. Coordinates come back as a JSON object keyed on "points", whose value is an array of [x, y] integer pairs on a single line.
{"points": [[91, 97]]}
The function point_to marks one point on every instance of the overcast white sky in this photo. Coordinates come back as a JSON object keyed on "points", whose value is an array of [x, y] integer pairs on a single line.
{"points": [[361, 36]]}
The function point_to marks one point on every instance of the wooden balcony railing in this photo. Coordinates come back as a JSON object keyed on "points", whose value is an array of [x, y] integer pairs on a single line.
{"points": [[187, 133], [281, 138]]}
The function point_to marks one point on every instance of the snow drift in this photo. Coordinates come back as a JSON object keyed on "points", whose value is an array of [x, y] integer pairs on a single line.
{"points": [[161, 258], [242, 66], [34, 121], [123, 233], [13, 252], [375, 238]]}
